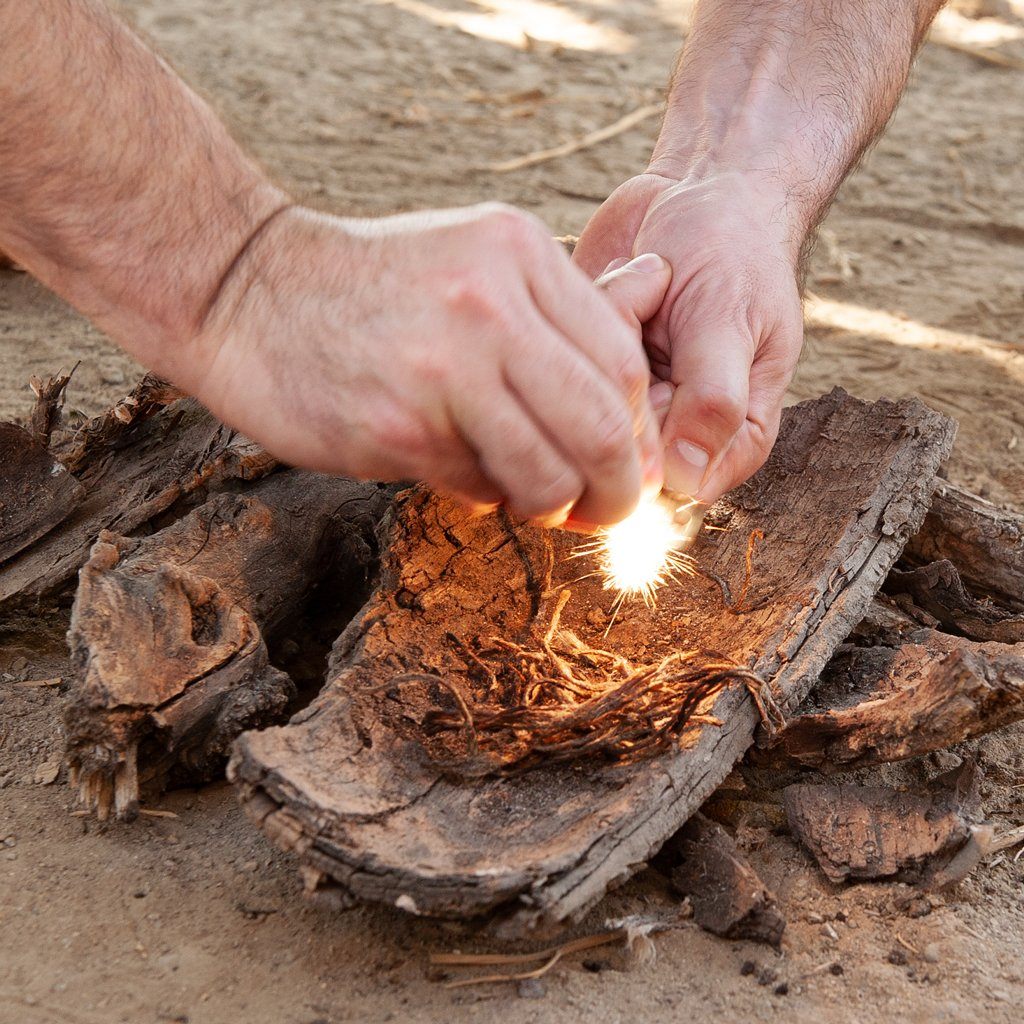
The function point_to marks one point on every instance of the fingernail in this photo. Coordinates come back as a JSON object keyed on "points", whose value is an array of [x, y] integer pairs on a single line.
{"points": [[648, 263], [685, 466], [660, 395]]}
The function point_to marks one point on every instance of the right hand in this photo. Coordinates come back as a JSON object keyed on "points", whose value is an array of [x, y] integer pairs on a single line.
{"points": [[458, 347]]}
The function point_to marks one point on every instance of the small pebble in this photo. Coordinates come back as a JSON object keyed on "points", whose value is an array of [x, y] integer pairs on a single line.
{"points": [[836, 969], [897, 957], [782, 989], [829, 932], [919, 908], [531, 988], [747, 967], [767, 975], [930, 953], [19, 665]]}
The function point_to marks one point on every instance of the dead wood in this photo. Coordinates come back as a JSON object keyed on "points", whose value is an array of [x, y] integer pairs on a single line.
{"points": [[112, 430], [728, 897], [888, 704], [134, 463], [49, 392], [167, 632], [937, 591], [983, 541], [36, 491], [932, 838], [350, 785]]}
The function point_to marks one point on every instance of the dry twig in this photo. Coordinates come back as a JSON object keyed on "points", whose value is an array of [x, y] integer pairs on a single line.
{"points": [[623, 124]]}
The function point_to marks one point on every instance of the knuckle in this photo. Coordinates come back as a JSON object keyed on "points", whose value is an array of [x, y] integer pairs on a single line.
{"points": [[428, 365], [719, 407], [613, 439], [397, 430], [469, 294], [548, 494], [512, 227]]}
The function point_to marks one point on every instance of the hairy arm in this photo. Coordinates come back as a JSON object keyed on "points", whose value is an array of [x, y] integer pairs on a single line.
{"points": [[120, 190], [459, 347], [791, 92], [772, 103]]}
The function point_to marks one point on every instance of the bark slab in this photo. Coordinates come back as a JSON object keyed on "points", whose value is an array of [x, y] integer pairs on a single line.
{"points": [[349, 787]]}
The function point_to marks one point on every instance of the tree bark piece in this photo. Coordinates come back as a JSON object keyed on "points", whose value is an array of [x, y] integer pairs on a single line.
{"points": [[36, 492], [131, 473], [938, 591], [889, 704], [868, 832], [349, 786], [167, 632], [728, 897], [49, 392], [983, 541]]}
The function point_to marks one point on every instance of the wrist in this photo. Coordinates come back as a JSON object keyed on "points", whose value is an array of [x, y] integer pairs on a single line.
{"points": [[187, 347], [752, 131], [241, 321], [737, 200]]}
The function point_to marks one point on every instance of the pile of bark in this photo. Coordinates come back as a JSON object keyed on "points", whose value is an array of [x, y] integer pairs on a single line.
{"points": [[884, 617]]}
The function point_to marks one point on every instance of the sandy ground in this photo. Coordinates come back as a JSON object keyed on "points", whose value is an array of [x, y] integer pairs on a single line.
{"points": [[376, 107]]}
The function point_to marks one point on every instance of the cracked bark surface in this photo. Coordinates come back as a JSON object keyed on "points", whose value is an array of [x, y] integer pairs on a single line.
{"points": [[933, 664], [131, 464], [36, 492], [349, 785], [933, 838], [923, 676], [168, 632], [983, 541]]}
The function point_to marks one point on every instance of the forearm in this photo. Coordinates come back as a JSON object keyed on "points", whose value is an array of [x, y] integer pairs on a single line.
{"points": [[788, 92], [120, 189]]}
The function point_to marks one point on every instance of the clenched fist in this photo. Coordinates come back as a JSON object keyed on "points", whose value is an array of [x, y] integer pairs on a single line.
{"points": [[459, 347]]}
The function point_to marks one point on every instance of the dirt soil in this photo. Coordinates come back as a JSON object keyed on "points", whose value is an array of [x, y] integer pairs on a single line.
{"points": [[376, 107]]}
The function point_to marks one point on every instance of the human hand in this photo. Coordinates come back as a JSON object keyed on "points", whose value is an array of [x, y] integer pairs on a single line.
{"points": [[459, 347], [725, 341]]}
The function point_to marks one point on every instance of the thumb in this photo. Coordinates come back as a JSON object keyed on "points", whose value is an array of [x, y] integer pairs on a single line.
{"points": [[637, 288], [709, 405]]}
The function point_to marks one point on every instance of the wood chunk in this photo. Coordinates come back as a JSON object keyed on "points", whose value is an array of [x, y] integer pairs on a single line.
{"points": [[36, 492], [111, 430], [728, 897], [49, 392], [938, 590], [888, 704], [866, 832], [130, 476], [167, 632], [983, 541], [349, 787]]}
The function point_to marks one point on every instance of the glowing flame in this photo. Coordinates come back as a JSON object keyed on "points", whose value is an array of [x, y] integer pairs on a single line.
{"points": [[641, 554]]}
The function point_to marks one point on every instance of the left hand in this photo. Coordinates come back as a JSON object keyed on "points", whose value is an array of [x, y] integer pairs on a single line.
{"points": [[724, 344]]}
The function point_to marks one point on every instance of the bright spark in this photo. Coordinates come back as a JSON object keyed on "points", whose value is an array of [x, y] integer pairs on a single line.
{"points": [[639, 555]]}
